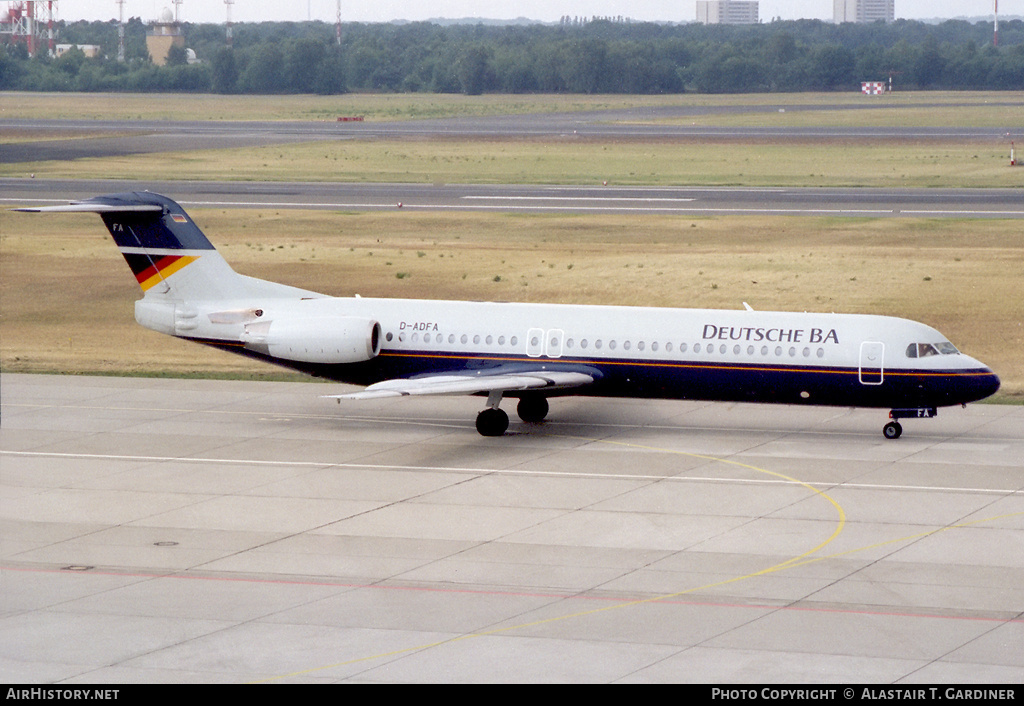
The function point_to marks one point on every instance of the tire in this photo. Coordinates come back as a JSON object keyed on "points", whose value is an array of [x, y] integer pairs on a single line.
{"points": [[491, 422], [532, 409]]}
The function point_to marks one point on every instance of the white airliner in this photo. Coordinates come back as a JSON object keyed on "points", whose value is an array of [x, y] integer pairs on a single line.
{"points": [[401, 347]]}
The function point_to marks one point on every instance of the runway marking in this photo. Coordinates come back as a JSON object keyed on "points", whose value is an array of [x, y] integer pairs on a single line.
{"points": [[794, 561], [522, 472], [800, 560], [806, 558], [639, 199]]}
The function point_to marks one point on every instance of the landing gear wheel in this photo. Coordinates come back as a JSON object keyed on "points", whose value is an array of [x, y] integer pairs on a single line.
{"points": [[491, 422], [892, 430], [532, 409]]}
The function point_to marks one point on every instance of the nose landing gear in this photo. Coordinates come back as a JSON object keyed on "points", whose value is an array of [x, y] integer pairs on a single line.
{"points": [[894, 430]]}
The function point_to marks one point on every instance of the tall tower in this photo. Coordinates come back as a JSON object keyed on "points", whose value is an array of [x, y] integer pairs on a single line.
{"points": [[120, 31], [227, 5], [162, 35], [31, 20], [995, 24]]}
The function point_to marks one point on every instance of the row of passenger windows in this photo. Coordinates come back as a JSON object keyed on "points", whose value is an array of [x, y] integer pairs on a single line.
{"points": [[570, 344]]}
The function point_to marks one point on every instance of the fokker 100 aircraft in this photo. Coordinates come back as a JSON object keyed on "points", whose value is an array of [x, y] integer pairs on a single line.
{"points": [[399, 347]]}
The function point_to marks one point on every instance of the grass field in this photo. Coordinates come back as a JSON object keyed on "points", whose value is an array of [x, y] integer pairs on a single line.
{"points": [[568, 161], [66, 294], [918, 108]]}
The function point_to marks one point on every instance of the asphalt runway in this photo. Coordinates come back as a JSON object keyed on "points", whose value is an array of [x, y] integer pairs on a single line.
{"points": [[640, 200], [219, 531]]}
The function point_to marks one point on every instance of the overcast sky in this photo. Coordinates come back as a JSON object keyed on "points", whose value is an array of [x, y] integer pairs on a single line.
{"points": [[542, 10]]}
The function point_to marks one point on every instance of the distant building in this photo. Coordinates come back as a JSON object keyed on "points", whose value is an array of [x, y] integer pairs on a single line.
{"points": [[91, 51], [727, 12], [863, 11], [162, 35]]}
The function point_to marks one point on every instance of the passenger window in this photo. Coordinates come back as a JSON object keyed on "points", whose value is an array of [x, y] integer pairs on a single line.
{"points": [[514, 340]]}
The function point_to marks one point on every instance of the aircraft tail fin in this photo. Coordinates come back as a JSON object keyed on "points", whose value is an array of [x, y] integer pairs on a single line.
{"points": [[167, 252]]}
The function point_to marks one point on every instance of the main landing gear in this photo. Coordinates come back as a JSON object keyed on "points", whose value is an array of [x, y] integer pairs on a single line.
{"points": [[894, 430], [494, 422]]}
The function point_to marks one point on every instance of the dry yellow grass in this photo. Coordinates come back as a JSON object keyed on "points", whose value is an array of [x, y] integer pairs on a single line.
{"points": [[66, 296], [569, 160], [913, 108]]}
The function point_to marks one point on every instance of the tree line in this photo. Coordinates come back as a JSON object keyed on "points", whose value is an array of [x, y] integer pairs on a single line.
{"points": [[598, 56]]}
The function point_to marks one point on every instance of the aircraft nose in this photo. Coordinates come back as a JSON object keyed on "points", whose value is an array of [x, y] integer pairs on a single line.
{"points": [[985, 383], [993, 383]]}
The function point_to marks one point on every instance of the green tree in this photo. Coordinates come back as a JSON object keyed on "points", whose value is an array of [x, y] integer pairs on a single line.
{"points": [[302, 64], [224, 71], [265, 71], [177, 56], [474, 71]]}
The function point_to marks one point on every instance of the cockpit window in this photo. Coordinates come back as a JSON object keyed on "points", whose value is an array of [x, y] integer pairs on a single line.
{"points": [[925, 350]]}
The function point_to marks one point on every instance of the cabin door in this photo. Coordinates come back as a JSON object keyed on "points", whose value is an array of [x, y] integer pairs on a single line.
{"points": [[871, 367], [549, 343]]}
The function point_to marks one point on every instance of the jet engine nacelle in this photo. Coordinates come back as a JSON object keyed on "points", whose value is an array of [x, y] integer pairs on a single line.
{"points": [[324, 339]]}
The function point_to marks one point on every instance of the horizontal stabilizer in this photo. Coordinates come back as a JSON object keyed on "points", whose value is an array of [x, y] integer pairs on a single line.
{"points": [[94, 207], [469, 385]]}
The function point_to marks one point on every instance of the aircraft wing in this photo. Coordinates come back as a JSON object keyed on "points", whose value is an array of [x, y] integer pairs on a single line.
{"points": [[470, 384]]}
